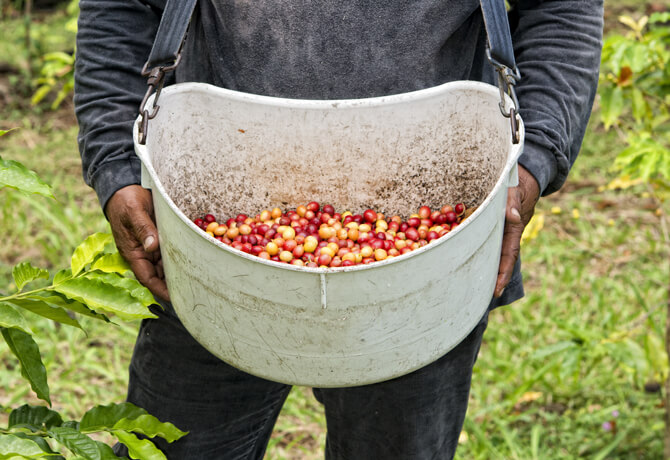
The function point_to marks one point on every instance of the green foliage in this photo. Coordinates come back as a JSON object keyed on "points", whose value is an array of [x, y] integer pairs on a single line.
{"points": [[56, 76], [27, 352], [80, 290], [94, 286], [57, 70], [14, 175], [636, 68], [29, 426]]}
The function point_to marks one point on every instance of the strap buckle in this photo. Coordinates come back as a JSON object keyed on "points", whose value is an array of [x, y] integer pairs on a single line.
{"points": [[507, 78], [155, 81]]}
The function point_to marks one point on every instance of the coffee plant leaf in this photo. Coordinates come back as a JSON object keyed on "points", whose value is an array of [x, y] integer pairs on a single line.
{"points": [[55, 300], [103, 418], [87, 251], [130, 285], [27, 351], [660, 17], [62, 275], [40, 94], [41, 442], [24, 273], [34, 416], [150, 426], [111, 263], [612, 105], [99, 295], [80, 444], [139, 448], [640, 107], [45, 309], [14, 175], [644, 157], [11, 317], [12, 447]]}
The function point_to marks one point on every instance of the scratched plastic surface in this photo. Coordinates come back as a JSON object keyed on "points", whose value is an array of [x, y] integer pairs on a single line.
{"points": [[215, 150]]}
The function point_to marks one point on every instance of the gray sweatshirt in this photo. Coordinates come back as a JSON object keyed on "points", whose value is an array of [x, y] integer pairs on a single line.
{"points": [[327, 49]]}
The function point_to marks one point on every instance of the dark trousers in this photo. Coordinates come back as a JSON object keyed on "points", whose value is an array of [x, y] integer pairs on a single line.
{"points": [[230, 414]]}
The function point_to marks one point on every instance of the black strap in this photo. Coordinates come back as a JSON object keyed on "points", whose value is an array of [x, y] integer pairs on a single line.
{"points": [[497, 29], [171, 33]]}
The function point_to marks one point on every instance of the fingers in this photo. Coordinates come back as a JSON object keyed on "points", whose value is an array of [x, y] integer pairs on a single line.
{"points": [[147, 274], [521, 202], [130, 213], [144, 229], [511, 243], [134, 208]]}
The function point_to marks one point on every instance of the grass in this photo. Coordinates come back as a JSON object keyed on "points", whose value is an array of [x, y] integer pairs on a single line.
{"points": [[582, 349]]}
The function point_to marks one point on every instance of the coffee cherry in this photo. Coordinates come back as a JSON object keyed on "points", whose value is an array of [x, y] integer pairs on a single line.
{"points": [[370, 216], [312, 236]]}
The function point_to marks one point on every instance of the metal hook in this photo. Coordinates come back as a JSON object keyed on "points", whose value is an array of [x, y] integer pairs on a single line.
{"points": [[155, 81]]}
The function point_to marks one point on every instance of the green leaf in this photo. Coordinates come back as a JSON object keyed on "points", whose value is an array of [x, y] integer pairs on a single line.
{"points": [[41, 442], [24, 273], [150, 426], [139, 448], [59, 56], [638, 57], [5, 131], [99, 295], [13, 174], [612, 104], [71, 424], [55, 300], [40, 94], [80, 444], [10, 317], [87, 251], [640, 106], [111, 263], [62, 275], [133, 286], [659, 17], [27, 351], [34, 416], [43, 308], [13, 446], [103, 418]]}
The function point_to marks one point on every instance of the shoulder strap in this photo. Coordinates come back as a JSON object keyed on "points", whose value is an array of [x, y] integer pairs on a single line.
{"points": [[171, 33], [497, 29], [164, 56], [501, 56]]}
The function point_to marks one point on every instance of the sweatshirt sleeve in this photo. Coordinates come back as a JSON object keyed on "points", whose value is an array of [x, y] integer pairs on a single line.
{"points": [[114, 39], [557, 46]]}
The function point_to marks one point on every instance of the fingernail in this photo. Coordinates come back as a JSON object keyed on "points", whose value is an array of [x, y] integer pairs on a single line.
{"points": [[515, 213], [148, 242], [500, 292]]}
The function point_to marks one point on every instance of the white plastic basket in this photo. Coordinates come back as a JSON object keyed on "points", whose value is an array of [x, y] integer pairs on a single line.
{"points": [[214, 150]]}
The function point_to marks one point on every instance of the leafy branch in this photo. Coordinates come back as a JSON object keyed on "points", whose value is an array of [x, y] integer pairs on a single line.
{"points": [[95, 285]]}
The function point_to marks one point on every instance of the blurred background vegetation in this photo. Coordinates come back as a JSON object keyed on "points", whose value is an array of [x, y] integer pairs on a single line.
{"points": [[577, 369]]}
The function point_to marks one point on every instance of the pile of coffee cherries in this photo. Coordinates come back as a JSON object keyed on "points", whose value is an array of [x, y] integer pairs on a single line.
{"points": [[316, 236]]}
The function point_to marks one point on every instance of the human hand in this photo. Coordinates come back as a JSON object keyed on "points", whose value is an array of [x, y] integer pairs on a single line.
{"points": [[521, 202], [131, 215]]}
